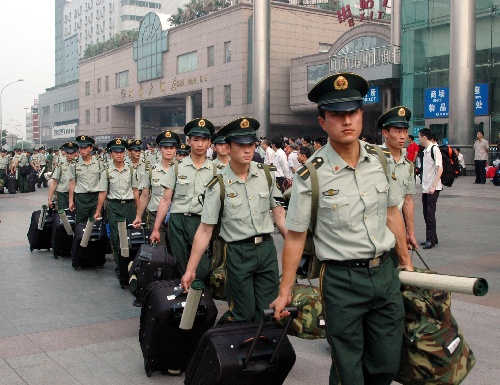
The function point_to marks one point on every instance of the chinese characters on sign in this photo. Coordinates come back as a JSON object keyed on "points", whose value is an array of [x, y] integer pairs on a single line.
{"points": [[372, 96], [436, 101], [176, 83], [366, 12]]}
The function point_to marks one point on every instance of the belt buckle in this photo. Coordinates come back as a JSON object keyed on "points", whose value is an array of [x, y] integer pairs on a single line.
{"points": [[187, 214], [123, 202], [375, 262], [258, 239]]}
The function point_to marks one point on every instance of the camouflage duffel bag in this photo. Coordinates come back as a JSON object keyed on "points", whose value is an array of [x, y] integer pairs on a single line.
{"points": [[310, 322], [434, 349], [217, 276]]}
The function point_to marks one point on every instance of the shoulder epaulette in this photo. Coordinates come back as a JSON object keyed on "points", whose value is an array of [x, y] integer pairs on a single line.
{"points": [[304, 172], [213, 182], [271, 167], [371, 150]]}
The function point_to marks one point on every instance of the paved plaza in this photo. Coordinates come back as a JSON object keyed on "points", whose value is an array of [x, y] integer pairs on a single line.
{"points": [[61, 326]]}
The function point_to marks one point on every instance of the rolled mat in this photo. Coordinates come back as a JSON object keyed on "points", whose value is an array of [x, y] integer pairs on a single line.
{"points": [[65, 222], [451, 283], [192, 302], [122, 234], [87, 232]]}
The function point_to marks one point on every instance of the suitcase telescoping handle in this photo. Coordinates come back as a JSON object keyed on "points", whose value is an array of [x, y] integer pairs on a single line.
{"points": [[268, 313]]}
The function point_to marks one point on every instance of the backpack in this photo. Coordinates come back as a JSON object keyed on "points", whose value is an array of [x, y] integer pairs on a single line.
{"points": [[434, 350], [496, 178], [451, 167]]}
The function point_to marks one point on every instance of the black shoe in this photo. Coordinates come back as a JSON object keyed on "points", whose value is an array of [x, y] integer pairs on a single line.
{"points": [[476, 183], [428, 245], [423, 243]]}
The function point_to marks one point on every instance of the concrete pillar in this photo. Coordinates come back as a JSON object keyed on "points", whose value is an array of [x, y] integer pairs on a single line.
{"points": [[387, 99], [189, 108], [462, 71], [396, 23], [138, 122], [261, 65]]}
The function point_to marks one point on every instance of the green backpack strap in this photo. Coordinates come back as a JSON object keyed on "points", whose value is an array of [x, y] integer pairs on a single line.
{"points": [[314, 194]]}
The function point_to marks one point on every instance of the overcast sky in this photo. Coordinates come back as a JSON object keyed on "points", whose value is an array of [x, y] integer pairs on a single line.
{"points": [[27, 52]]}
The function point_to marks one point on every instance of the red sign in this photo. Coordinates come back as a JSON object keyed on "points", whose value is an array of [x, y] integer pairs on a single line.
{"points": [[365, 12]]}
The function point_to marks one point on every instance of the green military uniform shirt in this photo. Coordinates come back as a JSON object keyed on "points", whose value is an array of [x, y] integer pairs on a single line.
{"points": [[153, 158], [62, 175], [42, 160], [23, 160], [352, 207], [89, 177], [188, 185], [153, 183], [4, 162], [218, 164], [246, 204], [119, 183], [405, 180]]}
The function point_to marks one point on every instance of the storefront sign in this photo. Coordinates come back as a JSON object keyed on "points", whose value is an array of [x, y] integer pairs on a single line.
{"points": [[64, 131], [366, 12], [437, 101], [373, 96]]}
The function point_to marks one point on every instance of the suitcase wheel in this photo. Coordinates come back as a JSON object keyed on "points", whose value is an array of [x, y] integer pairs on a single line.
{"points": [[31, 249]]}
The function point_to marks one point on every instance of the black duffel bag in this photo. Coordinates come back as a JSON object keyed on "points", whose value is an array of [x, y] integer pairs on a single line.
{"points": [[25, 170]]}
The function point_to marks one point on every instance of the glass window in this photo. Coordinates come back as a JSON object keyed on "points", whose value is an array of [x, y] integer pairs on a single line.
{"points": [[315, 73], [99, 85], [107, 114], [227, 95], [187, 62], [210, 56], [227, 52], [87, 88], [99, 115], [106, 83], [210, 97], [87, 116], [121, 79]]}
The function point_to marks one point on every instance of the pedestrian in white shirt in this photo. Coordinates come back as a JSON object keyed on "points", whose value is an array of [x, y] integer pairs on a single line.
{"points": [[280, 162], [293, 159], [269, 157]]}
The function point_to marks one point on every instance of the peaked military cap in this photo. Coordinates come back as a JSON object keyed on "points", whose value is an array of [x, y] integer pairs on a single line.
{"points": [[343, 91], [134, 144], [199, 127], [84, 141], [217, 138], [118, 145], [168, 139], [396, 117], [183, 149], [241, 130], [42, 148], [3, 150], [70, 147]]}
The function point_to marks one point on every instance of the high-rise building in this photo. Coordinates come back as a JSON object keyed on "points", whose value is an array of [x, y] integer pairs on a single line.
{"points": [[78, 25]]}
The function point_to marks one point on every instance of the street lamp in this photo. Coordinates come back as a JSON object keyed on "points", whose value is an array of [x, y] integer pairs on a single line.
{"points": [[1, 125], [19, 124]]}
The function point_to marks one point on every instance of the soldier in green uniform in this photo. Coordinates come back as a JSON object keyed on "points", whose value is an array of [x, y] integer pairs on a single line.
{"points": [[394, 125], [222, 150], [182, 189], [134, 147], [152, 191], [86, 181], [22, 165], [42, 167], [183, 150], [4, 164], [119, 179], [246, 226], [358, 222], [61, 176]]}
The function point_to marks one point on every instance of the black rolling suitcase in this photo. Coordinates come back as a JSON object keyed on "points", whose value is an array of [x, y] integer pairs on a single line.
{"points": [[32, 181], [40, 239], [164, 346], [11, 183], [243, 354], [94, 254], [135, 238], [152, 263], [61, 241]]}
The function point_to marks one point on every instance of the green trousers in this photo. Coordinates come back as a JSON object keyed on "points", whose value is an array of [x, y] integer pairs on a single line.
{"points": [[62, 200], [23, 183], [2, 178], [364, 321], [85, 204], [151, 218], [181, 231], [252, 280], [116, 211]]}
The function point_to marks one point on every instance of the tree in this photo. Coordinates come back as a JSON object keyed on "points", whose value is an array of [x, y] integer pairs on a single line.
{"points": [[4, 135], [197, 8]]}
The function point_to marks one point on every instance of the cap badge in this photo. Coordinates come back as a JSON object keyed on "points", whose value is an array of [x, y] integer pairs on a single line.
{"points": [[401, 112], [183, 146], [118, 141], [340, 83], [201, 123], [244, 123], [82, 137], [137, 142]]}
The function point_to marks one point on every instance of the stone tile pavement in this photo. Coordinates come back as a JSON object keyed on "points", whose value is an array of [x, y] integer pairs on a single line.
{"points": [[60, 326]]}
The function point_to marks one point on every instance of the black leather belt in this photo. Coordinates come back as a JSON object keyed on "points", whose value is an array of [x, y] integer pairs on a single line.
{"points": [[122, 201], [255, 239], [369, 263]]}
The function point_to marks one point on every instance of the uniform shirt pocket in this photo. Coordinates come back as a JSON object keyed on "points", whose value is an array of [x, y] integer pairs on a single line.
{"points": [[334, 210], [382, 196], [182, 187], [264, 201], [232, 207]]}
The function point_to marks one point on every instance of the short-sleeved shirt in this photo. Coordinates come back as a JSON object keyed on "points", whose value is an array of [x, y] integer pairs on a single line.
{"points": [[352, 207], [89, 177], [62, 175], [218, 164], [430, 167], [119, 183], [4, 162], [481, 148], [152, 181], [188, 185], [246, 204], [23, 160], [405, 180]]}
